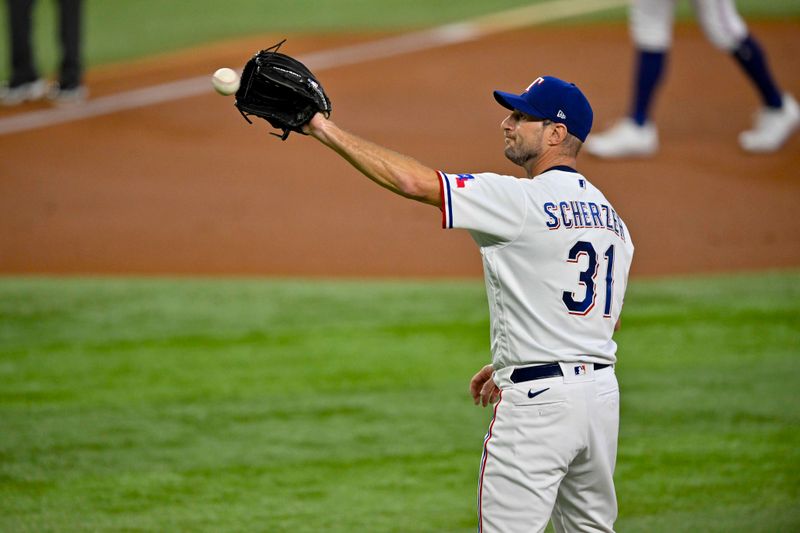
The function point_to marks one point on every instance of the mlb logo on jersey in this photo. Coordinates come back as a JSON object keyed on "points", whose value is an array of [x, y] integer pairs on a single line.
{"points": [[580, 370], [462, 179]]}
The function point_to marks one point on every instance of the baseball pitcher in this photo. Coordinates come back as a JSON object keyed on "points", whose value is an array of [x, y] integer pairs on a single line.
{"points": [[556, 256]]}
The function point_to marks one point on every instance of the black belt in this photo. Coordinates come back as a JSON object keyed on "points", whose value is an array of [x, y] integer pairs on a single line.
{"points": [[550, 370]]}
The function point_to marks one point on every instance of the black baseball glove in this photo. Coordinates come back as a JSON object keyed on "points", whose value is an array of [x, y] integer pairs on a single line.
{"points": [[281, 90]]}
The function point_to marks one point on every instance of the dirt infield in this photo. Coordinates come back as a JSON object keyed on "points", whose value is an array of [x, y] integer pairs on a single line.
{"points": [[188, 187]]}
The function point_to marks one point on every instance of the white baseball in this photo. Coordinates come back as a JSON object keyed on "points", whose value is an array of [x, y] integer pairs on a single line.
{"points": [[225, 81]]}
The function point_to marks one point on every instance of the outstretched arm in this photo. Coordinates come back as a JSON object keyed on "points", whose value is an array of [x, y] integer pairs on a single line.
{"points": [[398, 173]]}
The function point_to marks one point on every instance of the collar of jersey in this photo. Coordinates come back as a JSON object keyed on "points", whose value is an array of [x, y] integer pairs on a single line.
{"points": [[563, 168]]}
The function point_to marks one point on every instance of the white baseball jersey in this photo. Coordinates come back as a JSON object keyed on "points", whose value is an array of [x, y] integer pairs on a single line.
{"points": [[556, 257]]}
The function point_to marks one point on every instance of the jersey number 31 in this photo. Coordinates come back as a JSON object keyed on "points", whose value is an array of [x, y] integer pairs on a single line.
{"points": [[587, 279]]}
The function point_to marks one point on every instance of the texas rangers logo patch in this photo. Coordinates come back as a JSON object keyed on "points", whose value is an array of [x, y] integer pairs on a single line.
{"points": [[462, 179]]}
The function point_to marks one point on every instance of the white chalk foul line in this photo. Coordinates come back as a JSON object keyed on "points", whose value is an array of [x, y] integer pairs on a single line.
{"points": [[460, 32], [106, 105]]}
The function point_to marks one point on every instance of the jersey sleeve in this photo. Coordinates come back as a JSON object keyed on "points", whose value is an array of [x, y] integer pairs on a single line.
{"points": [[490, 204]]}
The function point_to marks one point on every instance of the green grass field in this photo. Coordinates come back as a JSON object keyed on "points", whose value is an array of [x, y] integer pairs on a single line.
{"points": [[268, 405]]}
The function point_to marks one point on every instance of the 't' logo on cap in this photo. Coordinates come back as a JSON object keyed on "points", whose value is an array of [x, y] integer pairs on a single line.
{"points": [[537, 81]]}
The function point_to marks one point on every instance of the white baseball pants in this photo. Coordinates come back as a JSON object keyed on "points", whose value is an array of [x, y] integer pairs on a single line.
{"points": [[550, 453], [651, 23]]}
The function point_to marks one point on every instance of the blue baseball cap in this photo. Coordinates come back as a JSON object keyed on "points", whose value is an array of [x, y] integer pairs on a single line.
{"points": [[553, 99]]}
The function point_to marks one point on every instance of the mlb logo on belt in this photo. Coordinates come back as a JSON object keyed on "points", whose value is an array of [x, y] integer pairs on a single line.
{"points": [[580, 370]]}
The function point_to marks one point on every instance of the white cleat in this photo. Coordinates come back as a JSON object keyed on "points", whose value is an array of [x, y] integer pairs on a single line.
{"points": [[25, 92], [772, 127], [625, 139], [71, 96]]}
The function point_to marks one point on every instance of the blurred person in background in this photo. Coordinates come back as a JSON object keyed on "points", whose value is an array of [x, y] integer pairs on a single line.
{"points": [[651, 23], [25, 83]]}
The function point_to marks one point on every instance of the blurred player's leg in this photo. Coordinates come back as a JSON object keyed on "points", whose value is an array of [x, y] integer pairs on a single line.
{"points": [[69, 88], [24, 84], [651, 24], [779, 116]]}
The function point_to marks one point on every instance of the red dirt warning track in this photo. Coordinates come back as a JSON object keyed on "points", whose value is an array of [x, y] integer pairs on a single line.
{"points": [[189, 188]]}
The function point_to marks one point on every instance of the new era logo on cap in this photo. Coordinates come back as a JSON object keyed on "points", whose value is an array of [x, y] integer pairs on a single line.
{"points": [[554, 99]]}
